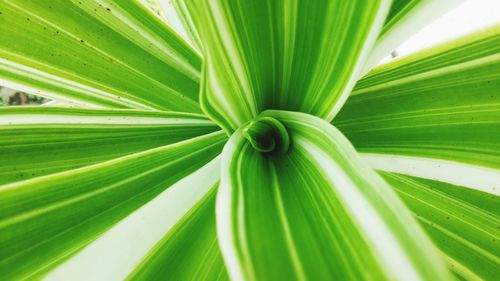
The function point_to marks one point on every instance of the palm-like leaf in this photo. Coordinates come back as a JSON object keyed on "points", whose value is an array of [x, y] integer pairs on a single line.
{"points": [[131, 185]]}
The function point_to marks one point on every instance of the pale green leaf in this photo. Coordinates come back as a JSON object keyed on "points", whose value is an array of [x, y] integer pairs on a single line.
{"points": [[99, 53], [290, 55], [190, 250], [463, 223], [35, 141], [472, 176], [134, 240], [405, 18], [315, 212], [46, 219]]}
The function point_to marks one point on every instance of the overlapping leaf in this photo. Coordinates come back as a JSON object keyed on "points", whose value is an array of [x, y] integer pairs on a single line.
{"points": [[178, 15], [35, 141], [190, 251], [291, 55], [134, 247], [316, 212], [441, 103], [435, 116], [464, 223], [67, 210], [98, 53]]}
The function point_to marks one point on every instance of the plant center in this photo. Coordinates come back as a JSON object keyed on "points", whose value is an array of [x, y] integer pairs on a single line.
{"points": [[267, 135]]}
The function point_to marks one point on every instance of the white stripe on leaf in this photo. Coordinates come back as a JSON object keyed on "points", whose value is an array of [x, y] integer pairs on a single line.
{"points": [[471, 176], [115, 255]]}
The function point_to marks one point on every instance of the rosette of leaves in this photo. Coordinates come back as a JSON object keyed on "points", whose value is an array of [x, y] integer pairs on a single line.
{"points": [[266, 147]]}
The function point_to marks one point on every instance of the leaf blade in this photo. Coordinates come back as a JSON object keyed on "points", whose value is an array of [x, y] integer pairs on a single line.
{"points": [[124, 71], [269, 226], [261, 55], [180, 256], [441, 103], [139, 233], [462, 222], [98, 196], [36, 141]]}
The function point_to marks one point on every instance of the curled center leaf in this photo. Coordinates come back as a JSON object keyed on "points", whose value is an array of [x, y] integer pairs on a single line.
{"points": [[267, 134]]}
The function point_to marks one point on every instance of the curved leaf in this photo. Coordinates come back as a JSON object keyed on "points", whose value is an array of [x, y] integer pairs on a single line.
{"points": [[316, 212], [293, 55]]}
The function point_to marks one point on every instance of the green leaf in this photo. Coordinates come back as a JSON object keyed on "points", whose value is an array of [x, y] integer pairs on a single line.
{"points": [[35, 141], [127, 245], [67, 210], [315, 212], [435, 115], [462, 222], [405, 18], [184, 254], [442, 103], [290, 55], [97, 53]]}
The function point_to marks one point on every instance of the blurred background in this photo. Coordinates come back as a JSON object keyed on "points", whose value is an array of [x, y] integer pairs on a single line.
{"points": [[470, 16]]}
